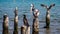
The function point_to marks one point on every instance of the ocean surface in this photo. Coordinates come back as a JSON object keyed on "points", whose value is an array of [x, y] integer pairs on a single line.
{"points": [[8, 7]]}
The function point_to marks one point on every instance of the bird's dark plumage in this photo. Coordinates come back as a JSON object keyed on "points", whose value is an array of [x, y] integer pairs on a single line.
{"points": [[51, 6], [25, 20], [43, 5]]}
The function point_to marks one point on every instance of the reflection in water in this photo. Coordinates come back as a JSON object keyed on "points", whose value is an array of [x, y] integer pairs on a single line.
{"points": [[35, 26]]}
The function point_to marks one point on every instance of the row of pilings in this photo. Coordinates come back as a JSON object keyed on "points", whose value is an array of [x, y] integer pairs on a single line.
{"points": [[25, 29]]}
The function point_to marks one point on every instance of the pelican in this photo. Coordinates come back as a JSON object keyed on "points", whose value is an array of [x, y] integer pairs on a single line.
{"points": [[47, 14]]}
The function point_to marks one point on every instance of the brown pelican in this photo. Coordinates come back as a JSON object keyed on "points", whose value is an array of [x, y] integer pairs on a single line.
{"points": [[47, 14]]}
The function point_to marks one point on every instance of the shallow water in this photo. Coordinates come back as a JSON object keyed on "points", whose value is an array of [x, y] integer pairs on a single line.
{"points": [[8, 6]]}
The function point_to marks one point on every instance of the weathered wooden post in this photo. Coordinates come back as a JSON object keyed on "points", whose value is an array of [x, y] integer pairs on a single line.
{"points": [[47, 14], [35, 26], [16, 22], [5, 24], [25, 29]]}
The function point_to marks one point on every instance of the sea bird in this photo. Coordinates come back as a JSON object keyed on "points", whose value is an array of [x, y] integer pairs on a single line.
{"points": [[25, 21], [34, 11], [47, 14], [26, 25]]}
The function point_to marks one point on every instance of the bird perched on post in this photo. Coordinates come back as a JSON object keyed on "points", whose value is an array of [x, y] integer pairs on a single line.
{"points": [[26, 25], [34, 11], [25, 20], [47, 14]]}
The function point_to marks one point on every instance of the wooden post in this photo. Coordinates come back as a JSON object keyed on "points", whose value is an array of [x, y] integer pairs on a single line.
{"points": [[22, 30], [16, 22], [25, 29], [35, 26], [47, 20], [5, 24]]}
